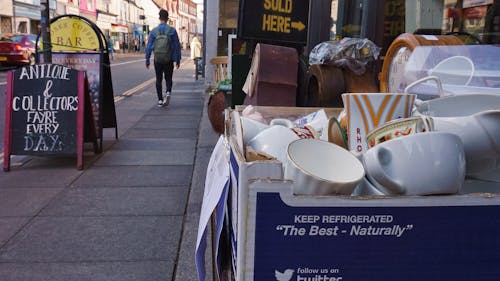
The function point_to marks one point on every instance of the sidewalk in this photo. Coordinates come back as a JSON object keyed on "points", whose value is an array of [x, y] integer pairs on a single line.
{"points": [[131, 214]]}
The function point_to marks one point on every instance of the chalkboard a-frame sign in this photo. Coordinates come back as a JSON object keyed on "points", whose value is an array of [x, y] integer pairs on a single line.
{"points": [[48, 112]]}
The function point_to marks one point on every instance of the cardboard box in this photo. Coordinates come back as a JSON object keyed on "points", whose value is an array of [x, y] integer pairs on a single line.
{"points": [[276, 235], [242, 172], [449, 237]]}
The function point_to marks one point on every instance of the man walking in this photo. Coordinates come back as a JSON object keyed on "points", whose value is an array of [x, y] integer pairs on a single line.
{"points": [[164, 42]]}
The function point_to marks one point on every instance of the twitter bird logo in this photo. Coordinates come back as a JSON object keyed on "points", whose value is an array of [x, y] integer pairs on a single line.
{"points": [[285, 276]]}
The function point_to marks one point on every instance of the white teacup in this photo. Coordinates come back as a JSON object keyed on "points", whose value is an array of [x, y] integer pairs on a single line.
{"points": [[480, 135], [321, 168], [282, 122], [419, 164], [273, 141], [251, 128]]}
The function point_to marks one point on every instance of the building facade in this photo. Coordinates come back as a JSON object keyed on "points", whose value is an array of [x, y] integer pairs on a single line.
{"points": [[128, 22], [182, 16]]}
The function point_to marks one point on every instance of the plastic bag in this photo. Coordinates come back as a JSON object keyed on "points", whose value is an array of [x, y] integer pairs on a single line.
{"points": [[353, 53]]}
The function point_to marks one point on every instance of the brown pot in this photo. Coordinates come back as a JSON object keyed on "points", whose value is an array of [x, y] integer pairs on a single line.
{"points": [[215, 111]]}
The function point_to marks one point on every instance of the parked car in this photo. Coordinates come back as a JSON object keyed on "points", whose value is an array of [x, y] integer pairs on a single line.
{"points": [[17, 49]]}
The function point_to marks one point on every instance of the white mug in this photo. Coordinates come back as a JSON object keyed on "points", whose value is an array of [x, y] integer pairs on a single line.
{"points": [[480, 135], [250, 128], [273, 141], [282, 122], [419, 164]]}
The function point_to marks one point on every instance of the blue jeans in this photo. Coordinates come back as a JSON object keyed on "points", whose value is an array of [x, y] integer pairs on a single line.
{"points": [[163, 71]]}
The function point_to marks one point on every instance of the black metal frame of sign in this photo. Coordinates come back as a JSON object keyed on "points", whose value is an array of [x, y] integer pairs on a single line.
{"points": [[48, 112], [284, 21], [85, 48]]}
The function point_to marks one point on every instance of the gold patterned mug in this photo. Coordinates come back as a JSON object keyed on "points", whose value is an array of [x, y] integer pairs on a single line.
{"points": [[367, 111]]}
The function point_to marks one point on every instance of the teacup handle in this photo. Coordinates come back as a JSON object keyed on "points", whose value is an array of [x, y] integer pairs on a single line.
{"points": [[338, 137], [379, 173], [281, 122]]}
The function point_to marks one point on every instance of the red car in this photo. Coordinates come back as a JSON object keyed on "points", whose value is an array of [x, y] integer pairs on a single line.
{"points": [[17, 49]]}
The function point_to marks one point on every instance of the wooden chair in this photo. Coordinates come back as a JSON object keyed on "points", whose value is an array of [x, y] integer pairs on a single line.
{"points": [[219, 66]]}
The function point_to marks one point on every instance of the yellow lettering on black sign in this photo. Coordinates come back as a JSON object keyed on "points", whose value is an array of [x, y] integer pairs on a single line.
{"points": [[279, 23], [275, 23], [282, 6]]}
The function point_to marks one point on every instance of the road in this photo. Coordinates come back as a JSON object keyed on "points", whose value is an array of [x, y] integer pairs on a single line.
{"points": [[128, 73]]}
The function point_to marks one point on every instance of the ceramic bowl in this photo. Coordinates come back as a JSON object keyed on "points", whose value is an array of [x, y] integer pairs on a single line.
{"points": [[322, 168]]}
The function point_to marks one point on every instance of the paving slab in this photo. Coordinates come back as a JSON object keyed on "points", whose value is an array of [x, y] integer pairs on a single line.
{"points": [[179, 110], [132, 176], [88, 271], [9, 227], [154, 144], [135, 133], [39, 176], [146, 157], [167, 122], [183, 103], [188, 248], [162, 123], [198, 180], [77, 239], [145, 201], [19, 202]]}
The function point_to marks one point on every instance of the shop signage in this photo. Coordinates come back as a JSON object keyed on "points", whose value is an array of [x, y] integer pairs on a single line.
{"points": [[290, 239], [119, 28], [274, 20], [90, 64], [475, 12], [72, 9], [473, 3], [73, 34], [46, 107], [70, 33]]}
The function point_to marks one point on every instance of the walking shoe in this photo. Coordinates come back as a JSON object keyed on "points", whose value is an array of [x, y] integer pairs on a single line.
{"points": [[161, 103], [167, 98]]}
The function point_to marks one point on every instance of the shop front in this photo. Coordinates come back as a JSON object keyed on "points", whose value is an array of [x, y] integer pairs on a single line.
{"points": [[104, 21], [391, 82], [27, 15], [120, 35]]}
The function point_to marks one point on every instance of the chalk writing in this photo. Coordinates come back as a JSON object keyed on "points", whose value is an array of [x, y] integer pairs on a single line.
{"points": [[45, 107]]}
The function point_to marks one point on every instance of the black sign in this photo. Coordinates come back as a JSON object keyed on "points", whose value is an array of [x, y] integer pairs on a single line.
{"points": [[44, 110], [274, 20], [48, 112]]}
